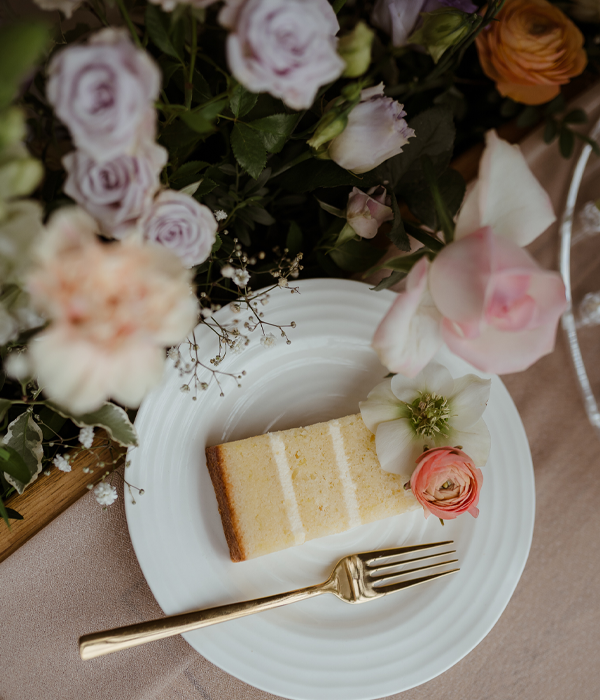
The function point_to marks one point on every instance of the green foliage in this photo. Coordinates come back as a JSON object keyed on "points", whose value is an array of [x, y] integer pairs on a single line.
{"points": [[110, 417], [24, 437], [161, 34], [275, 130], [249, 149], [21, 46]]}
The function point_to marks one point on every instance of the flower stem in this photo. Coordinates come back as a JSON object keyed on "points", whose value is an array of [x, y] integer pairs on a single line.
{"points": [[128, 22], [189, 87]]}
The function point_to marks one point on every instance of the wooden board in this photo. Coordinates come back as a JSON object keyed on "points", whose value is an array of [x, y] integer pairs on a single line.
{"points": [[49, 496]]}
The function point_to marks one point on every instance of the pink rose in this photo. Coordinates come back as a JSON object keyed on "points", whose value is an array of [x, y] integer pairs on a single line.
{"points": [[116, 192], [181, 224], [366, 212], [375, 132], [496, 307], [447, 483], [500, 308], [104, 92], [284, 47], [410, 333]]}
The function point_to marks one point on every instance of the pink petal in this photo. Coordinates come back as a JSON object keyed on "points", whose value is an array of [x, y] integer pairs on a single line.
{"points": [[507, 196]]}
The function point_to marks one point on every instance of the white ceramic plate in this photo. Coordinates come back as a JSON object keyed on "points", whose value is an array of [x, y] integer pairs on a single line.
{"points": [[321, 648]]}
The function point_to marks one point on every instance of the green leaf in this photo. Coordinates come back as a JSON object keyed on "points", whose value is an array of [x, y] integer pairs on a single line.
{"points": [[4, 513], [5, 404], [157, 25], [168, 68], [294, 239], [248, 149], [341, 213], [418, 197], [312, 174], [528, 117], [12, 463], [242, 101], [356, 256], [13, 514], [21, 46], [435, 132], [431, 242], [390, 281], [403, 263], [217, 244], [260, 215], [24, 436], [187, 173], [397, 234], [202, 119], [575, 116], [275, 130], [110, 417], [566, 142], [205, 187]]}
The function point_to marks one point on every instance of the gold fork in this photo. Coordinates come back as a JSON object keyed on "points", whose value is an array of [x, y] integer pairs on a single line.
{"points": [[356, 578]]}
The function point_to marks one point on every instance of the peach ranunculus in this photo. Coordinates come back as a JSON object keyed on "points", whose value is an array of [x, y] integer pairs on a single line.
{"points": [[531, 50], [112, 309], [447, 483], [483, 295]]}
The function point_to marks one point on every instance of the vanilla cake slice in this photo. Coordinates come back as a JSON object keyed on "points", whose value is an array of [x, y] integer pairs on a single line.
{"points": [[282, 489]]}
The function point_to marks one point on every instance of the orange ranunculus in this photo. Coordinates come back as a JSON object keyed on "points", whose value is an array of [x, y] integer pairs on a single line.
{"points": [[531, 50]]}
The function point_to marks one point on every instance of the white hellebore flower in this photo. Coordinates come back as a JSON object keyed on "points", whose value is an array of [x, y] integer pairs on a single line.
{"points": [[429, 410]]}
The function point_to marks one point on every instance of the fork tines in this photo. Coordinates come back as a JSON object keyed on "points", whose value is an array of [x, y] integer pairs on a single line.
{"points": [[376, 569]]}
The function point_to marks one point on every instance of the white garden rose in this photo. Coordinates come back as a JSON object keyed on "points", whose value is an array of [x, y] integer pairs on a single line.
{"points": [[181, 224], [104, 92], [376, 131], [115, 192], [284, 47]]}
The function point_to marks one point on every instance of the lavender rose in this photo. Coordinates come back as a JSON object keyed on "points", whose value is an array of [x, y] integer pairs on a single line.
{"points": [[400, 17], [284, 47], [103, 92], [178, 222], [366, 212], [375, 132], [115, 192]]}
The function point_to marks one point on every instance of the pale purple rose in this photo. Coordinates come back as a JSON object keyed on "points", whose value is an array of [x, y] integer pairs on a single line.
{"points": [[104, 92], [284, 47], [376, 131], [115, 192], [180, 223], [367, 211], [400, 18]]}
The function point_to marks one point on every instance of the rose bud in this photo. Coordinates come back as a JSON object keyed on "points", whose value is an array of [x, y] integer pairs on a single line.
{"points": [[440, 30], [375, 132], [355, 49], [366, 212], [447, 483]]}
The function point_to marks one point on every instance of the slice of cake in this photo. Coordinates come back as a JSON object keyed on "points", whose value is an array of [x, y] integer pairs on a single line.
{"points": [[285, 488]]}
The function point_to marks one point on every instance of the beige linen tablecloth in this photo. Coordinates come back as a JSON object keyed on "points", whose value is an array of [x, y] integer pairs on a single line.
{"points": [[80, 574]]}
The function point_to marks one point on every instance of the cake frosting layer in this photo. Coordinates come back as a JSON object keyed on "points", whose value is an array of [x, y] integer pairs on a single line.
{"points": [[284, 488]]}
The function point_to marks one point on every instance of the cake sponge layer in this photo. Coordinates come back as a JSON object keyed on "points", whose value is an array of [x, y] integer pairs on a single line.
{"points": [[285, 488]]}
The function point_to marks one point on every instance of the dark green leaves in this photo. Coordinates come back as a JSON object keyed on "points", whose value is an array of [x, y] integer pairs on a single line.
{"points": [[157, 26], [202, 120], [275, 130], [355, 256], [418, 197], [21, 45], [110, 417], [242, 101], [248, 149], [13, 464], [311, 174], [397, 233]]}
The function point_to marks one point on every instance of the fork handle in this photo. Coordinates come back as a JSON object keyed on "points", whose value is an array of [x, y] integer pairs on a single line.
{"points": [[101, 643]]}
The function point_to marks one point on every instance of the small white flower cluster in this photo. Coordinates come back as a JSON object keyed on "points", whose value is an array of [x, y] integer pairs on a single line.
{"points": [[220, 215], [86, 436], [62, 463], [106, 494], [268, 340]]}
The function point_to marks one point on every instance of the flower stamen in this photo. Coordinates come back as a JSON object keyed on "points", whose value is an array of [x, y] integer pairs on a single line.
{"points": [[429, 414]]}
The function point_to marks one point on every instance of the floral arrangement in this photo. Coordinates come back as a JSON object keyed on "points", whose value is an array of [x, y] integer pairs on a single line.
{"points": [[161, 159]]}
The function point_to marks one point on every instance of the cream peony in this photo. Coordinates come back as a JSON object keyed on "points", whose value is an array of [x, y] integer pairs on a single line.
{"points": [[430, 410], [112, 309]]}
